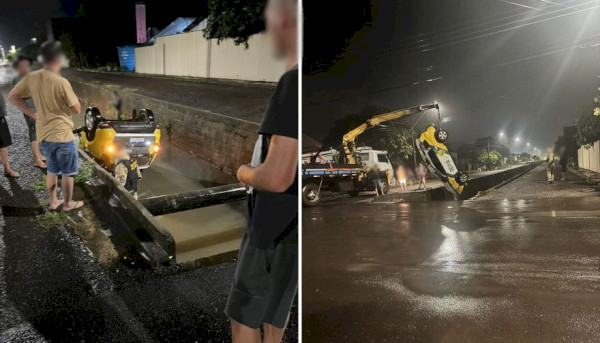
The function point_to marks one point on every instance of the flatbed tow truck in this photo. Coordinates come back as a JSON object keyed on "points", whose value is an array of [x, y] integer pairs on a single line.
{"points": [[346, 173]]}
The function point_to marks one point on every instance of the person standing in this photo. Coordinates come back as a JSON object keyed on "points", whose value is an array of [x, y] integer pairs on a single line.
{"points": [[563, 160], [5, 141], [23, 67], [422, 173], [266, 276], [550, 166], [55, 103], [401, 176]]}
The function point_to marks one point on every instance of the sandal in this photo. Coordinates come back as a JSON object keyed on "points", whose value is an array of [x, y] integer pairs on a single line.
{"points": [[60, 203], [12, 174], [78, 204]]}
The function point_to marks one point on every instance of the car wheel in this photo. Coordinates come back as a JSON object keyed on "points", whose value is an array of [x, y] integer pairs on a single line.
{"points": [[310, 194], [385, 187], [92, 119], [441, 135], [462, 178]]}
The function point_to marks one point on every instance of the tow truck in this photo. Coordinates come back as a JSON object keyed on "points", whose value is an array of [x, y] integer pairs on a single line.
{"points": [[346, 171]]}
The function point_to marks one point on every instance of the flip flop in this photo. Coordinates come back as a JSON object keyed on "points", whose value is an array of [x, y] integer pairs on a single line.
{"points": [[78, 204], [12, 174], [57, 207]]}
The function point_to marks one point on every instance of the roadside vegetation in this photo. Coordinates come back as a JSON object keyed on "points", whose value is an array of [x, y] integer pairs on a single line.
{"points": [[50, 220]]}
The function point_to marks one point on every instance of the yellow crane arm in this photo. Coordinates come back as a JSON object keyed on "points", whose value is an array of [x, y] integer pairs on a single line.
{"points": [[348, 141]]}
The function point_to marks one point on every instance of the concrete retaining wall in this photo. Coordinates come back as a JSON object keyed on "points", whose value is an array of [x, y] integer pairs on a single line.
{"points": [[130, 220], [190, 54], [223, 141], [474, 186], [589, 158]]}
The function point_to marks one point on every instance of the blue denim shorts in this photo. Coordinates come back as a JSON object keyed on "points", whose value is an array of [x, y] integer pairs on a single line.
{"points": [[61, 158]]}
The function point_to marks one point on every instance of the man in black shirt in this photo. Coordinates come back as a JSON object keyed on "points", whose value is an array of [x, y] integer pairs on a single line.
{"points": [[266, 276]]}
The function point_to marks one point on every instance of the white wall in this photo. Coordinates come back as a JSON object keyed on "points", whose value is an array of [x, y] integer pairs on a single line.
{"points": [[589, 158], [190, 54]]}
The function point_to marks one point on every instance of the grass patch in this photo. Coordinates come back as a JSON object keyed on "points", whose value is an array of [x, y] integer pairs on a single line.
{"points": [[86, 172], [40, 185], [52, 219]]}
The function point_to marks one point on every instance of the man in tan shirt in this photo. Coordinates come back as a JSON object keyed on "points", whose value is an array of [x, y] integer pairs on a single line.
{"points": [[55, 102]]}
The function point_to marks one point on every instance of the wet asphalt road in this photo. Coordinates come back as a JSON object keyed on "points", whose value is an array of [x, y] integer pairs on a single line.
{"points": [[53, 290], [521, 266]]}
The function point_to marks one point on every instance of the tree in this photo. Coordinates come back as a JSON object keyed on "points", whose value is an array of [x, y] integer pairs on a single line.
{"points": [[398, 142], [588, 130], [493, 158], [588, 125], [235, 19]]}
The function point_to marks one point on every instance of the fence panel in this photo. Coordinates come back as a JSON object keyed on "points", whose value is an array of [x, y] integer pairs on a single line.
{"points": [[589, 158]]}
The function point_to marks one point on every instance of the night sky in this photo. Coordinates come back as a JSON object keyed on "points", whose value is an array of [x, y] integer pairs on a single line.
{"points": [[524, 67], [20, 20]]}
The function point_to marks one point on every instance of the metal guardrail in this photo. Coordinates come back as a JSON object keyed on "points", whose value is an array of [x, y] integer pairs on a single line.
{"points": [[166, 204]]}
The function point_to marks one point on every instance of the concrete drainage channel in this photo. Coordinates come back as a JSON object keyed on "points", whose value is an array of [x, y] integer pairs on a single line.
{"points": [[473, 189], [133, 226]]}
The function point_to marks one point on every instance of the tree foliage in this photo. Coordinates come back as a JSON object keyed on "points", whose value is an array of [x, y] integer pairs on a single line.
{"points": [[397, 141], [493, 159], [588, 125], [588, 129], [235, 19]]}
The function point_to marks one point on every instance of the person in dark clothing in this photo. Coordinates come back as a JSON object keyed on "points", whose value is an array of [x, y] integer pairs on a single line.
{"points": [[563, 160], [23, 67], [126, 170], [5, 141], [266, 276]]}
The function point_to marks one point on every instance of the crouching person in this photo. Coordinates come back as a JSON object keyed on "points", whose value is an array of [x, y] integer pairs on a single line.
{"points": [[126, 171]]}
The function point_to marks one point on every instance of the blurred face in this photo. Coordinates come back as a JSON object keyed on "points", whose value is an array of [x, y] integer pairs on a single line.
{"points": [[280, 24], [23, 68]]}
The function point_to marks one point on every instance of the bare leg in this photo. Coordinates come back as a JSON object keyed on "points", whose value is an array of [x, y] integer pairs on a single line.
{"points": [[272, 334], [35, 148], [67, 184], [51, 185], [6, 162], [240, 333]]}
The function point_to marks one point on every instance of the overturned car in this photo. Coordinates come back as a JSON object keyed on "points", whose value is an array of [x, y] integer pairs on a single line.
{"points": [[140, 134], [439, 161]]}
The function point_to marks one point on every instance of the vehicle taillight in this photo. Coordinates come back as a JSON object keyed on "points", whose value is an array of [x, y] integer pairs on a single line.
{"points": [[104, 126], [154, 148], [110, 149]]}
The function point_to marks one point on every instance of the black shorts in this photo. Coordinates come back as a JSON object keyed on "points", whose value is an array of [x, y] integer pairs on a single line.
{"points": [[31, 127], [5, 139], [264, 284]]}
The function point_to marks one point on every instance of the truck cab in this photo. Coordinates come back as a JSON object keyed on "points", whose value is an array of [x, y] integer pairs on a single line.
{"points": [[375, 159]]}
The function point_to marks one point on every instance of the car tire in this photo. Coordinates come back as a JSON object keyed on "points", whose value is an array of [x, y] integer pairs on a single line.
{"points": [[441, 135], [92, 119], [385, 187], [462, 178], [310, 194]]}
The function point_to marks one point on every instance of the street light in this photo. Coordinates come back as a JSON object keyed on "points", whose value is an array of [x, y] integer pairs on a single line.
{"points": [[528, 144], [517, 139], [501, 134], [33, 40]]}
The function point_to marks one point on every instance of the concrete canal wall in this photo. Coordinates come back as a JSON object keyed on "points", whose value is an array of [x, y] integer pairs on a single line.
{"points": [[225, 142], [474, 186]]}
